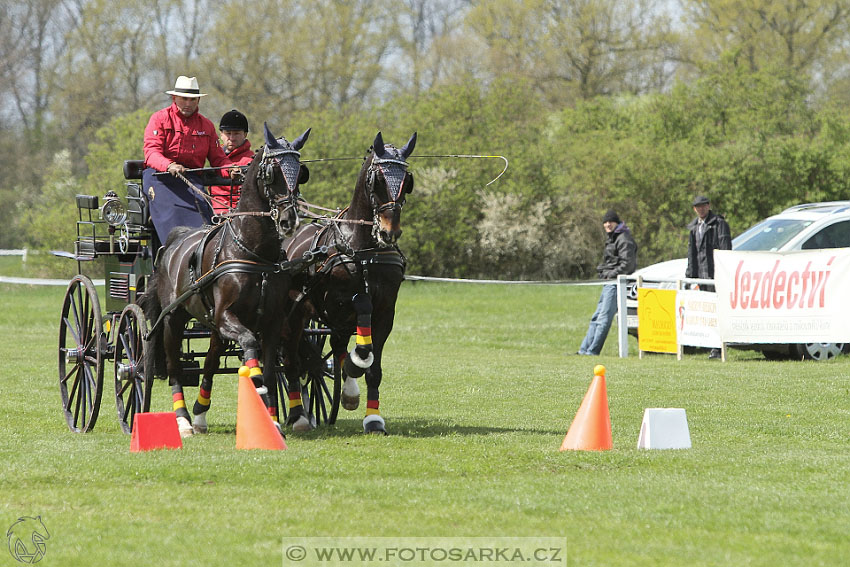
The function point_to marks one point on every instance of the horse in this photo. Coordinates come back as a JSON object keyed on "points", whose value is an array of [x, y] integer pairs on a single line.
{"points": [[232, 278], [354, 289]]}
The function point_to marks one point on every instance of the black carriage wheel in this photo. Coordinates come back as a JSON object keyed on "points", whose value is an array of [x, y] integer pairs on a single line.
{"points": [[133, 382], [282, 391], [323, 383], [81, 350], [321, 386]]}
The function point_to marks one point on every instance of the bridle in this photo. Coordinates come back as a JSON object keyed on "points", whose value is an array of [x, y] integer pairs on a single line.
{"points": [[394, 171], [289, 163]]}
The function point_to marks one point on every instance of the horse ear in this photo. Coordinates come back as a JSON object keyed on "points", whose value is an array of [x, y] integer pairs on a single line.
{"points": [[378, 146], [300, 140], [271, 141], [408, 147]]}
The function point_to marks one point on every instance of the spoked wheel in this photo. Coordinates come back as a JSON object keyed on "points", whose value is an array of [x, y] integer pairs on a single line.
{"points": [[321, 385], [323, 380], [133, 382], [81, 349]]}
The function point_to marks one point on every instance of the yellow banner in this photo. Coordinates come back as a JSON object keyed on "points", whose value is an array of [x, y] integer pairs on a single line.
{"points": [[657, 320]]}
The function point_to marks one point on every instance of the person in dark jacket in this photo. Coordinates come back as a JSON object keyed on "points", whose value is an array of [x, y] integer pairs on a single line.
{"points": [[619, 257], [708, 232]]}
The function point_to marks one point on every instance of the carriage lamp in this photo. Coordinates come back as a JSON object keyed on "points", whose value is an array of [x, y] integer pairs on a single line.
{"points": [[113, 210]]}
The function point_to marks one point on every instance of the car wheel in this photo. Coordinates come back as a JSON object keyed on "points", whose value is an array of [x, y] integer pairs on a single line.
{"points": [[820, 351]]}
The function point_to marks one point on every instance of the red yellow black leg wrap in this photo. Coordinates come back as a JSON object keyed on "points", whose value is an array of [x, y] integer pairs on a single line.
{"points": [[294, 399], [372, 407]]}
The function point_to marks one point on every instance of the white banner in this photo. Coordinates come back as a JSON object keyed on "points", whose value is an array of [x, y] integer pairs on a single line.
{"points": [[783, 297], [696, 319]]}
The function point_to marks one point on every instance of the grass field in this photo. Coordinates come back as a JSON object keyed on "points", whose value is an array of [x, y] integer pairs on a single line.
{"points": [[478, 393]]}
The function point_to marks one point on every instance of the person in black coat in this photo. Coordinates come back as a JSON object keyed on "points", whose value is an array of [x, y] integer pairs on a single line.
{"points": [[708, 232], [618, 257]]}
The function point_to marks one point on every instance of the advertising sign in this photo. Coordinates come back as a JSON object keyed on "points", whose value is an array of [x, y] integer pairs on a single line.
{"points": [[783, 297], [657, 320], [696, 319]]}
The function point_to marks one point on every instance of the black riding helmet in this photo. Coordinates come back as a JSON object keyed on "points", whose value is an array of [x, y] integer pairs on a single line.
{"points": [[233, 120]]}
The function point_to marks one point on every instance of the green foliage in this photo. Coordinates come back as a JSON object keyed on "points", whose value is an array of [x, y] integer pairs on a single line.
{"points": [[119, 140]]}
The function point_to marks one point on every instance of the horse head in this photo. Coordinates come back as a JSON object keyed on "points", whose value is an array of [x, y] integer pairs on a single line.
{"points": [[282, 172], [387, 182]]}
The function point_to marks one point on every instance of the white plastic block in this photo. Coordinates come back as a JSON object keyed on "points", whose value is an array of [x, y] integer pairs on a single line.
{"points": [[664, 428]]}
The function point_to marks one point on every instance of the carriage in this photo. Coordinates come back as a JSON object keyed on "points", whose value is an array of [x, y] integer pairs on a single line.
{"points": [[353, 293], [95, 334]]}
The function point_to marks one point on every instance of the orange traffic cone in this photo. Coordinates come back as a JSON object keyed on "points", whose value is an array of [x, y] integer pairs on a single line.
{"points": [[254, 426], [591, 428], [155, 431]]}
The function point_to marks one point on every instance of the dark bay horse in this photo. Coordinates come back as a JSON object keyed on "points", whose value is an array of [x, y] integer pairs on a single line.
{"points": [[232, 278], [355, 289]]}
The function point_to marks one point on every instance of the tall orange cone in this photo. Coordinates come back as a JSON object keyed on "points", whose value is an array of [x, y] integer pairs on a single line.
{"points": [[254, 426], [591, 428]]}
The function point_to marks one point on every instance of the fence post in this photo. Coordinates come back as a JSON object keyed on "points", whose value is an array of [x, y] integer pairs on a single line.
{"points": [[622, 315]]}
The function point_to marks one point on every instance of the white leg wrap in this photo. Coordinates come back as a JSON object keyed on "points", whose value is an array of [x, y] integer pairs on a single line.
{"points": [[361, 362], [199, 424], [184, 427], [375, 418], [262, 390], [350, 394]]}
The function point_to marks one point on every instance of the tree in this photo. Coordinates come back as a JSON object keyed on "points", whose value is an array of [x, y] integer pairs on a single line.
{"points": [[328, 54], [577, 49], [800, 35]]}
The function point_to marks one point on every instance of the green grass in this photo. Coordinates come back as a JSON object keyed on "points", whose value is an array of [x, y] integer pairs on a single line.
{"points": [[478, 393]]}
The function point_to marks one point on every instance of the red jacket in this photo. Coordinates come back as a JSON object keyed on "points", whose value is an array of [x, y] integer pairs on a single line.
{"points": [[222, 202], [171, 137]]}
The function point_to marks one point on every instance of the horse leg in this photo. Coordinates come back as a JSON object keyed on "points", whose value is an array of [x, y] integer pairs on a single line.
{"points": [[270, 355], [373, 422], [231, 328], [361, 356], [298, 418], [172, 336], [211, 365]]}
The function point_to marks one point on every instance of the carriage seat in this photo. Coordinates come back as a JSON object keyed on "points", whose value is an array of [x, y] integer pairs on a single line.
{"points": [[133, 168]]}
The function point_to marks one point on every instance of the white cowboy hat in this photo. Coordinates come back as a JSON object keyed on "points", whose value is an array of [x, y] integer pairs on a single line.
{"points": [[186, 87]]}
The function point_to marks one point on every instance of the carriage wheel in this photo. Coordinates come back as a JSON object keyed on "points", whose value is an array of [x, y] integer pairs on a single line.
{"points": [[133, 382], [323, 380], [81, 349], [321, 386]]}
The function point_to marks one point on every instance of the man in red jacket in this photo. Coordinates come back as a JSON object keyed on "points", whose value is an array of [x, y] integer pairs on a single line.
{"points": [[178, 138], [234, 140]]}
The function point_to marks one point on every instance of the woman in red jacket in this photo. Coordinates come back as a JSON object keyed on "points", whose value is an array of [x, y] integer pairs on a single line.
{"points": [[234, 140], [178, 138]]}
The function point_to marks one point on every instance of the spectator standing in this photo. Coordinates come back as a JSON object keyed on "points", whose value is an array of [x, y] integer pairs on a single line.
{"points": [[618, 257], [708, 232]]}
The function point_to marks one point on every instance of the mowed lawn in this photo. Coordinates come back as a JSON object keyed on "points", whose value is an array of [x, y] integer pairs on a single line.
{"points": [[479, 390]]}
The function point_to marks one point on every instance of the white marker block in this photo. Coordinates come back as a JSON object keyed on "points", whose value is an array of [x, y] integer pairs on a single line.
{"points": [[664, 428]]}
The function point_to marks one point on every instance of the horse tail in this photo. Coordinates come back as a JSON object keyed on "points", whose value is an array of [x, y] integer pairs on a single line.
{"points": [[154, 349]]}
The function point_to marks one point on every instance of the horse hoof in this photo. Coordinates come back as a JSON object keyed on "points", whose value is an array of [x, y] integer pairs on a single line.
{"points": [[374, 424], [350, 394], [200, 424], [303, 425], [184, 427]]}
